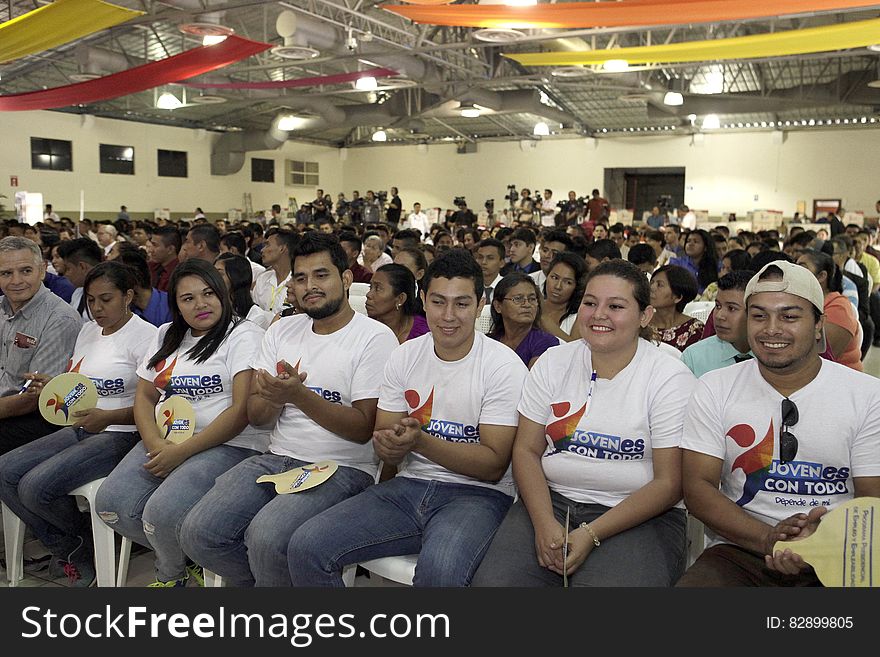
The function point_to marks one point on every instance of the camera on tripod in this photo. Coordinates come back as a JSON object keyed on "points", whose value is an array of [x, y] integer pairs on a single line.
{"points": [[490, 205], [459, 202], [511, 195], [382, 195]]}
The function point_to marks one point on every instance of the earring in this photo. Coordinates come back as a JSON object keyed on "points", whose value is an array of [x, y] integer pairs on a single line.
{"points": [[398, 306]]}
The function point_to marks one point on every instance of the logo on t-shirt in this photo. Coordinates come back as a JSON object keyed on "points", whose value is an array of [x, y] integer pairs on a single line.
{"points": [[105, 387], [163, 374], [764, 473], [564, 436], [455, 432]]}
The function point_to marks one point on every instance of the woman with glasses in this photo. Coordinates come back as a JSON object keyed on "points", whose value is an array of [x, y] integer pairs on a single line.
{"points": [[563, 290], [516, 318], [596, 458]]}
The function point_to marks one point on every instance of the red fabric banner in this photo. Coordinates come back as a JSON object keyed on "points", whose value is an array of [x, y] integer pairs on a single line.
{"points": [[299, 82], [172, 69]]}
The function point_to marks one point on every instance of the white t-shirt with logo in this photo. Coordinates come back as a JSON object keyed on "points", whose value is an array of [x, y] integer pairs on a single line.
{"points": [[602, 447], [452, 399], [111, 362], [735, 415], [208, 385], [343, 367]]}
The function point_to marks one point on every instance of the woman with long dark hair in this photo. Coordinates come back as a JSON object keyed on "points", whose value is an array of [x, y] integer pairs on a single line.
{"points": [[841, 321], [563, 290], [672, 288], [516, 318], [204, 356], [36, 478], [700, 258], [237, 274], [392, 300]]}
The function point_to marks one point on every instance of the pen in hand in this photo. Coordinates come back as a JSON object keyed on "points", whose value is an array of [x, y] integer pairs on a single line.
{"points": [[27, 383]]}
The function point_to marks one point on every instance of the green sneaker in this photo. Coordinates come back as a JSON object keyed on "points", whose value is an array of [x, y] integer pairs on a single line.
{"points": [[170, 584], [194, 571]]}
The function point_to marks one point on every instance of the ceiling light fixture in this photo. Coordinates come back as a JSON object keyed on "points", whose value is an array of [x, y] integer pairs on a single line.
{"points": [[212, 39], [673, 98], [288, 122], [168, 101], [615, 66], [711, 122], [469, 111], [380, 135], [366, 83], [498, 35], [541, 129]]}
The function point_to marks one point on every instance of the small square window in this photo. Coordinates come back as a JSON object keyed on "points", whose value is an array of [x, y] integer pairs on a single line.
{"points": [[117, 159], [262, 170], [172, 164], [51, 154]]}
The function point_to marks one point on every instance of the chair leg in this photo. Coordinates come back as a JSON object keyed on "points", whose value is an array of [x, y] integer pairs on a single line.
{"points": [[104, 540], [13, 541], [124, 556], [348, 573], [212, 580]]}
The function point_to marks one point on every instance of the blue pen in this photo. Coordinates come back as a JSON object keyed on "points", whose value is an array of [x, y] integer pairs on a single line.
{"points": [[27, 383]]}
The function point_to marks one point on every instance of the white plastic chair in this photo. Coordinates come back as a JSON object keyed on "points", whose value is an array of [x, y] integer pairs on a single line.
{"points": [[358, 303], [484, 321], [358, 290], [103, 537], [699, 310]]}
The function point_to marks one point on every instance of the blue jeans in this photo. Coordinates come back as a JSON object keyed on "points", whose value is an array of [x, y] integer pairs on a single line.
{"points": [[36, 480], [650, 554], [150, 510], [449, 525], [241, 529]]}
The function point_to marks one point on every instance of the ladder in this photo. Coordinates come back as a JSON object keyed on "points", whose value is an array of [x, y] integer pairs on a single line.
{"points": [[248, 207]]}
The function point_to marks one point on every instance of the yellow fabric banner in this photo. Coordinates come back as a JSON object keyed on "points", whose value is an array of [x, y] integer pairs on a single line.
{"points": [[54, 25], [857, 34]]}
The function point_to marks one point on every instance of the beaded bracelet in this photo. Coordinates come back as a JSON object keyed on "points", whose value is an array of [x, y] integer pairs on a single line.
{"points": [[586, 525]]}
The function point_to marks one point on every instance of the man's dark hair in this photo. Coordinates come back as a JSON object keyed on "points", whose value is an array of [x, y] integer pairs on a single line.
{"points": [[503, 232], [656, 235], [287, 237], [602, 249], [315, 242], [410, 237], [642, 253], [235, 241], [208, 234], [455, 263], [492, 242], [739, 259], [137, 262], [81, 249], [736, 280], [560, 236], [526, 235], [170, 236], [351, 238], [681, 282], [763, 257]]}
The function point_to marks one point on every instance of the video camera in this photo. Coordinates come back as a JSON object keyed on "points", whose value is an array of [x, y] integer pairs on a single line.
{"points": [[490, 205], [511, 195], [459, 202], [382, 195], [664, 202]]}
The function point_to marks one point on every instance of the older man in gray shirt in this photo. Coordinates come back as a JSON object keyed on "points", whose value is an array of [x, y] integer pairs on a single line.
{"points": [[37, 333]]}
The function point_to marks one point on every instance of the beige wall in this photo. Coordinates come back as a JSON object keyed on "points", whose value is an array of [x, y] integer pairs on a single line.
{"points": [[724, 174]]}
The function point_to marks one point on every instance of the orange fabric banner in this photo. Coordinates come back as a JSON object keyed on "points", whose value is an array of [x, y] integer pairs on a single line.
{"points": [[614, 14]]}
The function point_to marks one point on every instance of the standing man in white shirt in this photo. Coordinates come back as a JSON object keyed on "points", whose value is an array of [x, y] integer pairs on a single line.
{"points": [[686, 218], [270, 287], [548, 209], [418, 220]]}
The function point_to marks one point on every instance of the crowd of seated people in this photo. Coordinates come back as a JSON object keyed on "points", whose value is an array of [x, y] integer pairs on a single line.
{"points": [[594, 396]]}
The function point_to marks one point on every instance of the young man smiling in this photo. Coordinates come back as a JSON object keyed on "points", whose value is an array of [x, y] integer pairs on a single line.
{"points": [[764, 438], [447, 418]]}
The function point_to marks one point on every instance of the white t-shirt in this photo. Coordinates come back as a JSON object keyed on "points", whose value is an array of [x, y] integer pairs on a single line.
{"points": [[75, 299], [603, 446], [111, 362], [735, 415], [263, 318], [540, 278], [548, 212], [689, 221], [568, 323], [268, 293], [343, 367], [418, 221], [208, 385], [452, 399]]}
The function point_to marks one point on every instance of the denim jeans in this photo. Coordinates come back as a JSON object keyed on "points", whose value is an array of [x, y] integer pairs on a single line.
{"points": [[449, 525], [36, 479], [241, 529], [650, 554], [150, 510]]}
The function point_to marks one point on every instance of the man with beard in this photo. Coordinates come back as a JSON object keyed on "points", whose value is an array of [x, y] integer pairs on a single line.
{"points": [[316, 385], [787, 435]]}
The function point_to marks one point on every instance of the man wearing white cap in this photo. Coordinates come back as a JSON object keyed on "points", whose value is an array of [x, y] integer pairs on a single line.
{"points": [[787, 436]]}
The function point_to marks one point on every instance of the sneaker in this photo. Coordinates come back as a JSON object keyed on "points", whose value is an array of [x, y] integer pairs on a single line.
{"points": [[79, 575], [170, 584], [37, 564], [195, 572]]}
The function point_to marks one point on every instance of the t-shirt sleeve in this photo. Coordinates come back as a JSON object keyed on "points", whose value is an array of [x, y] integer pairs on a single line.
{"points": [[534, 402], [365, 382], [502, 391], [144, 372], [145, 340], [865, 453], [391, 393], [244, 345], [668, 407], [703, 430], [839, 312]]}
